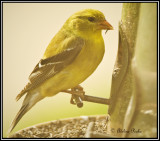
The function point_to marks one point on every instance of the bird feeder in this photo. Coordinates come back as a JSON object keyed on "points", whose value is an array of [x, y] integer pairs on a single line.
{"points": [[132, 105]]}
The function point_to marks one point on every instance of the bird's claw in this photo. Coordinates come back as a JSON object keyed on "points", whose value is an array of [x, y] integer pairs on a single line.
{"points": [[78, 87], [72, 100], [77, 95], [78, 90]]}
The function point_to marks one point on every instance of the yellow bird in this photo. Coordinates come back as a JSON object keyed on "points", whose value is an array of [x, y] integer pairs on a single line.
{"points": [[72, 56]]}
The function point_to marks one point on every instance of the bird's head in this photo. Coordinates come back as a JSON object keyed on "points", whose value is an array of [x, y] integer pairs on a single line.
{"points": [[88, 21]]}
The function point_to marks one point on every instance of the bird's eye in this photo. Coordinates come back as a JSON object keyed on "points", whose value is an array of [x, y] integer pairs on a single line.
{"points": [[91, 19]]}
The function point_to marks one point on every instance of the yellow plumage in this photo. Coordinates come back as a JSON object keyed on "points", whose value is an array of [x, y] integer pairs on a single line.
{"points": [[71, 57], [82, 67]]}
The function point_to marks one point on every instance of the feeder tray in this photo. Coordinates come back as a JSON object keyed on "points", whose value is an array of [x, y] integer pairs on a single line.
{"points": [[80, 127]]}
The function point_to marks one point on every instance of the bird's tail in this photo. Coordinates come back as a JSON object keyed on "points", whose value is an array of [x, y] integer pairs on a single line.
{"points": [[30, 100]]}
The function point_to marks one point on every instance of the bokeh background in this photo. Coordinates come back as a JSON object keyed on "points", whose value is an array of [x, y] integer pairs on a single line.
{"points": [[27, 30]]}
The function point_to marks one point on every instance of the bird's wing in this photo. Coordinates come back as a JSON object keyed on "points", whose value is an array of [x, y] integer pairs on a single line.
{"points": [[47, 68]]}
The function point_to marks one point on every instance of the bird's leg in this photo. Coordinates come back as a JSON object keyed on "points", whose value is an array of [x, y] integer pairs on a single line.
{"points": [[72, 100], [77, 95], [72, 97], [78, 90], [79, 87]]}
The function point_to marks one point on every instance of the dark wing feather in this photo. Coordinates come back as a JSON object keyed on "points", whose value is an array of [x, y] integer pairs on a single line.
{"points": [[47, 68]]}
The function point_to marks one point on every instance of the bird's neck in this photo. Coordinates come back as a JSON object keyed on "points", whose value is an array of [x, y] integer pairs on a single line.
{"points": [[91, 35]]}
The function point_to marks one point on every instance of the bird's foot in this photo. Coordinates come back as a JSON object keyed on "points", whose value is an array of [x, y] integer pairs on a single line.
{"points": [[79, 87], [77, 95], [78, 90], [76, 100]]}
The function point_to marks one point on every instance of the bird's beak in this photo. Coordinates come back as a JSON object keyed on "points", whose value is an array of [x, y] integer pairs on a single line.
{"points": [[105, 25]]}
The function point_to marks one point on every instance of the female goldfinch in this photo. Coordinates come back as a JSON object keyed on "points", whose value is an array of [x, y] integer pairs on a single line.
{"points": [[72, 55]]}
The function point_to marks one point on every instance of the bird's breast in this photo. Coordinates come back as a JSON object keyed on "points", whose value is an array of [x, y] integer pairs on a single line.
{"points": [[80, 69], [87, 61]]}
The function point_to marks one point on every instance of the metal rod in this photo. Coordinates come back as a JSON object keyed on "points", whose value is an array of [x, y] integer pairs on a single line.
{"points": [[94, 99], [90, 98]]}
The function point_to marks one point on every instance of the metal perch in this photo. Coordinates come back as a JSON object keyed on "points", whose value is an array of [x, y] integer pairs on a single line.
{"points": [[78, 97]]}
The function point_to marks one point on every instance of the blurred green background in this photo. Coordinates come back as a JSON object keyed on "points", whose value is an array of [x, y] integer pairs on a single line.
{"points": [[27, 30]]}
